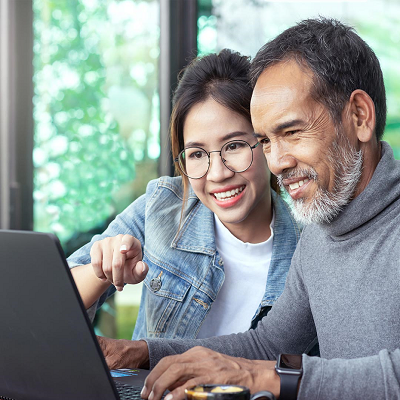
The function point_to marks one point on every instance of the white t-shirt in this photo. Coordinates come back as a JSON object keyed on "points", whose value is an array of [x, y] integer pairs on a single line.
{"points": [[246, 269]]}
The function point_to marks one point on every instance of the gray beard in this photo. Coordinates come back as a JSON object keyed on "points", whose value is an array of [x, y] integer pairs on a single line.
{"points": [[325, 205]]}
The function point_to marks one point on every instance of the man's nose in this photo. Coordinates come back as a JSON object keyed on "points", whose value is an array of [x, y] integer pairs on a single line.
{"points": [[217, 171], [279, 160]]}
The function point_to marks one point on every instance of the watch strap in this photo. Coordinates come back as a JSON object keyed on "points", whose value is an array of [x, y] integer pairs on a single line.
{"points": [[289, 385]]}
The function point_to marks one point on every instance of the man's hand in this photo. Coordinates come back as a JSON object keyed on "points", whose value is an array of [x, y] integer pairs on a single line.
{"points": [[201, 366], [121, 353], [118, 260]]}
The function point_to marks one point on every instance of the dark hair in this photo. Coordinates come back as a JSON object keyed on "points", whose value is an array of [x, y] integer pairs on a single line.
{"points": [[340, 60], [224, 77]]}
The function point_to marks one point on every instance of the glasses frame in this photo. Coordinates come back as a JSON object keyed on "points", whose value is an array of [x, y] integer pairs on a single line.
{"points": [[220, 154]]}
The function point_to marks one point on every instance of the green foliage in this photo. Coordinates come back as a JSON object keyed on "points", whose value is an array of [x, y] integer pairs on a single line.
{"points": [[95, 109], [384, 39], [126, 319]]}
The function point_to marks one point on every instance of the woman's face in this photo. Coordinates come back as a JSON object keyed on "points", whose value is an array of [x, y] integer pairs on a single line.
{"points": [[240, 200]]}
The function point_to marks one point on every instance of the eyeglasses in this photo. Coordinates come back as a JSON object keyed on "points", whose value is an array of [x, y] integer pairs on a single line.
{"points": [[237, 156]]}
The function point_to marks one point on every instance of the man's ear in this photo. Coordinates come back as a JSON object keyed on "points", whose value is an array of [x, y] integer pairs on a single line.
{"points": [[362, 110]]}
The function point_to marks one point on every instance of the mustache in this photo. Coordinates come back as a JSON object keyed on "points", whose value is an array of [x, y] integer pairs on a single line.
{"points": [[309, 173]]}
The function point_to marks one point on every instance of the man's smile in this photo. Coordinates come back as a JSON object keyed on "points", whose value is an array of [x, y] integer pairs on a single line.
{"points": [[298, 184]]}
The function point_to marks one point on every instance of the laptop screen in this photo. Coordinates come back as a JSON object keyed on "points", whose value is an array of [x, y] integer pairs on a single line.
{"points": [[48, 349]]}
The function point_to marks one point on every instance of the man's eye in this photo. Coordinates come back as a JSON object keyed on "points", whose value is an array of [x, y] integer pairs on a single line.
{"points": [[265, 142], [293, 132]]}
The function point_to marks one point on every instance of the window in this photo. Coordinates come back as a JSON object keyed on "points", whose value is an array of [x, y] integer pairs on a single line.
{"points": [[96, 112]]}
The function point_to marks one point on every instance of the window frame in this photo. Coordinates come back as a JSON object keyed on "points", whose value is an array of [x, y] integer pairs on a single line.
{"points": [[178, 45], [16, 111]]}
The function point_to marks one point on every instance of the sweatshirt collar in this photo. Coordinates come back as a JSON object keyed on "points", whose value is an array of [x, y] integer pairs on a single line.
{"points": [[382, 190]]}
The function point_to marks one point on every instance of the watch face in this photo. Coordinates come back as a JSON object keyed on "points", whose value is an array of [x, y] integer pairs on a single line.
{"points": [[290, 361]]}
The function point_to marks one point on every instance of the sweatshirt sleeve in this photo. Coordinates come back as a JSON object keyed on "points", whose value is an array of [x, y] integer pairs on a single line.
{"points": [[288, 328], [368, 378]]}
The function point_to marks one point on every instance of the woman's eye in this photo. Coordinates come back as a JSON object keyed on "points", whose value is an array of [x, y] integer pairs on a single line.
{"points": [[234, 146], [197, 154]]}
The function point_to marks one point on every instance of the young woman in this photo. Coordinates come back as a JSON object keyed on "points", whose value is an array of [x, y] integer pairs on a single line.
{"points": [[217, 241]]}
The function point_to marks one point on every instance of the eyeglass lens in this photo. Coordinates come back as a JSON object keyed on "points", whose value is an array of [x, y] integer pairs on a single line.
{"points": [[236, 155]]}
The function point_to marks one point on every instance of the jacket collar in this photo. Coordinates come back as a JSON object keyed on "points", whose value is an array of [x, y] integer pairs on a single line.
{"points": [[197, 232]]}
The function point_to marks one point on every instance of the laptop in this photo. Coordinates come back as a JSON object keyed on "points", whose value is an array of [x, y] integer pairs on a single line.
{"points": [[48, 349]]}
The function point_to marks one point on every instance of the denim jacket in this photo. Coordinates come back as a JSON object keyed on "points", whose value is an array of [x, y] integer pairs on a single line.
{"points": [[185, 270]]}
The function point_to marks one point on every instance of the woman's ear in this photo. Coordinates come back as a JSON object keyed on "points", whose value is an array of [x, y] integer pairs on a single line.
{"points": [[362, 109]]}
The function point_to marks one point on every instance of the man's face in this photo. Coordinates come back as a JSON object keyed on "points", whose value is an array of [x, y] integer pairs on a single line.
{"points": [[316, 162]]}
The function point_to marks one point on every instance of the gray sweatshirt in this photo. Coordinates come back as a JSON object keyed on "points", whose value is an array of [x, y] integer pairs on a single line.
{"points": [[344, 284]]}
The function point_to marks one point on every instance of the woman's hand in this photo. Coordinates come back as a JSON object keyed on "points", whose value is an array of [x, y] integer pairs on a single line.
{"points": [[118, 260]]}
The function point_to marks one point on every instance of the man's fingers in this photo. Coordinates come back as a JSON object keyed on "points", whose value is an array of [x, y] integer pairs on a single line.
{"points": [[169, 371], [177, 372], [158, 370], [178, 378], [178, 393]]}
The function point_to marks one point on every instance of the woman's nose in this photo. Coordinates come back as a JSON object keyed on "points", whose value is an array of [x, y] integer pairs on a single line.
{"points": [[218, 171]]}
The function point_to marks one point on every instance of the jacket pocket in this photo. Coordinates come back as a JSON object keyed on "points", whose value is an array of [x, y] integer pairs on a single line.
{"points": [[165, 295]]}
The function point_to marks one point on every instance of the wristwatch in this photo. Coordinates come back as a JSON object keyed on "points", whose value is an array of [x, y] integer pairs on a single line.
{"points": [[289, 368]]}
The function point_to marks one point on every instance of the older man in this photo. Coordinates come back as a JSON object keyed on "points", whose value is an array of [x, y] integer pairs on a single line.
{"points": [[319, 111]]}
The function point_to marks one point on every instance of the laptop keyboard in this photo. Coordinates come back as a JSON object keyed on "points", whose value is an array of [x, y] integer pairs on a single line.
{"points": [[127, 392]]}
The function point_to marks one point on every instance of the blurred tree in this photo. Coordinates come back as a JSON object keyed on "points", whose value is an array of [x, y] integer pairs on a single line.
{"points": [[96, 110]]}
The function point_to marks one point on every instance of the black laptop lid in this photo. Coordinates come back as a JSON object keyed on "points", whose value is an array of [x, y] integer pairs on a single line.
{"points": [[48, 349]]}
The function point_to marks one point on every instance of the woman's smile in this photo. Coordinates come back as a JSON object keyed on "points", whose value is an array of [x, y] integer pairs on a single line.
{"points": [[229, 197]]}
